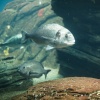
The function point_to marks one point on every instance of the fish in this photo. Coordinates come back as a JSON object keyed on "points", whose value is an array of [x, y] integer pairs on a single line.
{"points": [[51, 35], [32, 69], [15, 40]]}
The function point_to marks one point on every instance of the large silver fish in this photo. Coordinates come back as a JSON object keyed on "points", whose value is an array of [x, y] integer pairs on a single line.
{"points": [[32, 69], [52, 35]]}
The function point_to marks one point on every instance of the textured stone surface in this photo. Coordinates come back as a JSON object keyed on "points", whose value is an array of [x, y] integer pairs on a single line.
{"points": [[72, 88]]}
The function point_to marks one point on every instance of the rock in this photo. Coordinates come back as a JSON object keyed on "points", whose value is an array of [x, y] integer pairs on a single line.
{"points": [[74, 62], [28, 16], [83, 21], [72, 88]]}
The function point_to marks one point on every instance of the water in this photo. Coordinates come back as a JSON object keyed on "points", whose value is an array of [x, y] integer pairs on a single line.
{"points": [[81, 59], [3, 4]]}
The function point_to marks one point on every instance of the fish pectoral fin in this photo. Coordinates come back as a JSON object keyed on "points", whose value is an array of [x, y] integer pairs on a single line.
{"points": [[32, 73], [48, 47], [28, 73], [48, 38]]}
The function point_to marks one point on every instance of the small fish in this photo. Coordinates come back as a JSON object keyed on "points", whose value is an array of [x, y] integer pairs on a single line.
{"points": [[13, 41], [51, 35], [32, 69]]}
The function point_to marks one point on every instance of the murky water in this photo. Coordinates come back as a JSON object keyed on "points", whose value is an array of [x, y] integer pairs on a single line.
{"points": [[81, 59]]}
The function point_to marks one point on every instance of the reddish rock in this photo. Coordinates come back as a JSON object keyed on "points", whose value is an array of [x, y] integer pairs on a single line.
{"points": [[72, 88], [40, 12]]}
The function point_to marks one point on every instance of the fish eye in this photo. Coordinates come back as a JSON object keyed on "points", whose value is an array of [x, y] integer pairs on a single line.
{"points": [[58, 34], [66, 36]]}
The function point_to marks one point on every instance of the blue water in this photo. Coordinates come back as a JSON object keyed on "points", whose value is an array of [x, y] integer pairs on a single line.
{"points": [[3, 3]]}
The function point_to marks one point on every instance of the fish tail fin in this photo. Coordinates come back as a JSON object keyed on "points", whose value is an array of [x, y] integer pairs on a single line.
{"points": [[24, 36], [46, 72]]}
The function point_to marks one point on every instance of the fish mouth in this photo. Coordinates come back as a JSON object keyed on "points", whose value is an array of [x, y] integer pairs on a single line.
{"points": [[70, 42]]}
